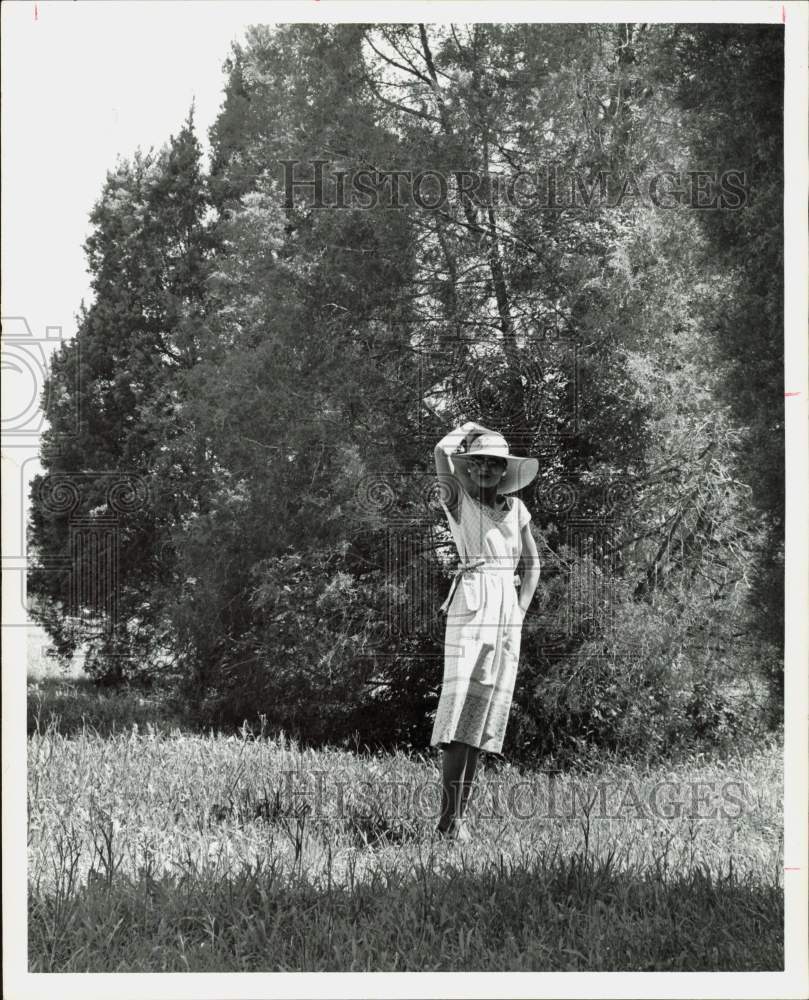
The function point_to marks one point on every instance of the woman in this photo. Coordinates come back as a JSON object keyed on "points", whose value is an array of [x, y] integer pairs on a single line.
{"points": [[484, 613]]}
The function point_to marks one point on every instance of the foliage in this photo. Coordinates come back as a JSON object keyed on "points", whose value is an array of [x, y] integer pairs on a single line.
{"points": [[274, 375], [120, 470], [731, 86]]}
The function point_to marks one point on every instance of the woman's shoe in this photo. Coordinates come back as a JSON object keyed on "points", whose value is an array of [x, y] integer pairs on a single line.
{"points": [[462, 834], [457, 830]]}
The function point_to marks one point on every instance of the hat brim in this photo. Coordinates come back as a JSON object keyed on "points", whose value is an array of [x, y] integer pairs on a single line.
{"points": [[519, 471]]}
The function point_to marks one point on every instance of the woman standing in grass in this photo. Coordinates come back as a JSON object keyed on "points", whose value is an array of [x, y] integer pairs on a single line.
{"points": [[484, 612]]}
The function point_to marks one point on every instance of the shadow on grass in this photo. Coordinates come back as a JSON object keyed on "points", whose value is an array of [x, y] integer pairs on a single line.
{"points": [[570, 914]]}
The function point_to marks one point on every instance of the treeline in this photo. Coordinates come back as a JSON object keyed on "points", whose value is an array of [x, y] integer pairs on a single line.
{"points": [[237, 499]]}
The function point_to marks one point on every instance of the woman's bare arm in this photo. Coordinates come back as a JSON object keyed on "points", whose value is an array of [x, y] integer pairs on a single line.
{"points": [[453, 476], [529, 578]]}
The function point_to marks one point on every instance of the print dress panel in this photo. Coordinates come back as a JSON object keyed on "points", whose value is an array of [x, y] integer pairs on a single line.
{"points": [[484, 626]]}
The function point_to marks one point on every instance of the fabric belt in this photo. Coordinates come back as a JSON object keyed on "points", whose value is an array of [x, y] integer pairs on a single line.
{"points": [[469, 567]]}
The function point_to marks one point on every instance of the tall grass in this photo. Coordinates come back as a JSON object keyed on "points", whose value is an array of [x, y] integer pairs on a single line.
{"points": [[72, 704], [155, 851]]}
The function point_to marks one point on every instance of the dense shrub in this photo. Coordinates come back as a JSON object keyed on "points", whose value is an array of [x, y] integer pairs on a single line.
{"points": [[642, 688]]}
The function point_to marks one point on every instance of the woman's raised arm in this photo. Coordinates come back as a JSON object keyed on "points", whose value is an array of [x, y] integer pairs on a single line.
{"points": [[442, 451]]}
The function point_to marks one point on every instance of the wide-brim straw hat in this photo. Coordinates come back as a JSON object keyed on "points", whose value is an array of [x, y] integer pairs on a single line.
{"points": [[519, 471]]}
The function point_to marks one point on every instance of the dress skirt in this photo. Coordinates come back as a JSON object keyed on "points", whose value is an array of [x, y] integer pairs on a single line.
{"points": [[481, 654]]}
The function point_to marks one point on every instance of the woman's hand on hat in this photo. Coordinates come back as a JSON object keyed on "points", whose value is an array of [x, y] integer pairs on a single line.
{"points": [[470, 430], [475, 430]]}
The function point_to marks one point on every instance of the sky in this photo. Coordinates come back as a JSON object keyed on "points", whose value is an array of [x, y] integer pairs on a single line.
{"points": [[85, 83], [89, 81]]}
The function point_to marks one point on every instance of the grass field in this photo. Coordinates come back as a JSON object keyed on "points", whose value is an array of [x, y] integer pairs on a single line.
{"points": [[157, 850]]}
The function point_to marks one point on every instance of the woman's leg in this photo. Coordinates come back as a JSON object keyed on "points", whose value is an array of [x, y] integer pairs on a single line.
{"points": [[453, 766], [472, 754]]}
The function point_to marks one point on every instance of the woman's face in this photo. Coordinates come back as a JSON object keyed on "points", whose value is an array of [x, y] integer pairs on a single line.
{"points": [[486, 470]]}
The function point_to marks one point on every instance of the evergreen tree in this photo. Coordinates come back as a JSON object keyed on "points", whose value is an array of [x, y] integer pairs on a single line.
{"points": [[128, 470], [273, 374], [730, 81]]}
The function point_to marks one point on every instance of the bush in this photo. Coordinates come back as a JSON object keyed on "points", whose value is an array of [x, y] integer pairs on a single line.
{"points": [[304, 664], [643, 689]]}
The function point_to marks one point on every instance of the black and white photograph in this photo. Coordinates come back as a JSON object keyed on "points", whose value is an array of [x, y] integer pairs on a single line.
{"points": [[405, 499]]}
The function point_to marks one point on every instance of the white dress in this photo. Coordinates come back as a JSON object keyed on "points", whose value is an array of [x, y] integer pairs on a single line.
{"points": [[484, 626]]}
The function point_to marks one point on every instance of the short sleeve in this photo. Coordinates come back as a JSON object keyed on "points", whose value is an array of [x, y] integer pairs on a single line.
{"points": [[523, 513]]}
